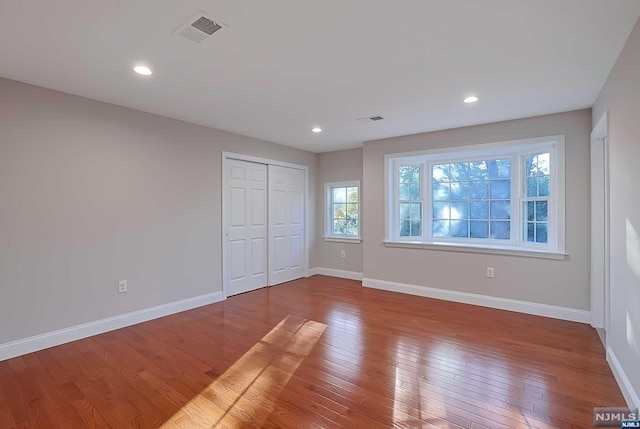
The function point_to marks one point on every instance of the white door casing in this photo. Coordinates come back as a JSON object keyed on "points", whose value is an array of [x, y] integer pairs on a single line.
{"points": [[286, 224], [246, 235], [600, 225]]}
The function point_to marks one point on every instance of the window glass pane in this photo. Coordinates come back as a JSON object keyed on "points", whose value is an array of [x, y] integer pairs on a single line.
{"points": [[339, 226], [459, 171], [441, 228], [409, 187], [339, 195], [339, 211], [440, 173], [478, 190], [530, 232], [416, 229], [543, 186], [405, 228], [541, 211], [500, 168], [529, 213], [460, 210], [409, 174], [416, 211], [441, 210], [352, 211], [459, 228], [544, 164], [440, 191], [500, 189], [501, 230], [351, 226], [404, 191], [500, 210], [459, 190], [414, 191], [541, 232], [479, 210], [532, 187], [410, 219], [478, 170], [531, 165], [404, 210], [352, 195], [479, 229]]}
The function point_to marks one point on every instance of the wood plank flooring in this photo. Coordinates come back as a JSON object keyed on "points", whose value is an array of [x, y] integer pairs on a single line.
{"points": [[320, 352]]}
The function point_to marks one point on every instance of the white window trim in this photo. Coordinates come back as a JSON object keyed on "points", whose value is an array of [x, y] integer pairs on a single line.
{"points": [[328, 218], [515, 246]]}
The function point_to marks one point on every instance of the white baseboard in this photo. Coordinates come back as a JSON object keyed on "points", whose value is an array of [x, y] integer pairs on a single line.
{"points": [[630, 395], [537, 309], [50, 339], [352, 275]]}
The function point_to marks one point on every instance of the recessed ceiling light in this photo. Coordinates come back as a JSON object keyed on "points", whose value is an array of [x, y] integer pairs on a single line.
{"points": [[471, 99], [316, 129], [143, 70]]}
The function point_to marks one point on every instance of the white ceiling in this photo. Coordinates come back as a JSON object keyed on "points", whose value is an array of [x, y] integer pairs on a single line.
{"points": [[284, 66]]}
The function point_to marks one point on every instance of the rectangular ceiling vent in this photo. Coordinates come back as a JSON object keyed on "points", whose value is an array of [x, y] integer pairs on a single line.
{"points": [[369, 119], [198, 28], [206, 25]]}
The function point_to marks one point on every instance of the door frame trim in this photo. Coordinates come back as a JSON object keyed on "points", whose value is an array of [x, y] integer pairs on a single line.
{"points": [[225, 220], [600, 224]]}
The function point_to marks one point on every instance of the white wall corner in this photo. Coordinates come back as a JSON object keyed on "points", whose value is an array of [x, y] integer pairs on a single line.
{"points": [[66, 335], [537, 309], [629, 393], [351, 275]]}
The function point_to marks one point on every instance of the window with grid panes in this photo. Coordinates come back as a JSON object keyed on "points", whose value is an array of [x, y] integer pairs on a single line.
{"points": [[342, 210], [508, 195]]}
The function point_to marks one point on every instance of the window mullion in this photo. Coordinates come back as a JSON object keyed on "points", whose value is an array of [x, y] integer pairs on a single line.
{"points": [[427, 199]]}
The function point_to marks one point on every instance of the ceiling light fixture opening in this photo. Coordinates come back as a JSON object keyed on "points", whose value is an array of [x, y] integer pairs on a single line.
{"points": [[471, 99], [316, 129], [143, 70]]}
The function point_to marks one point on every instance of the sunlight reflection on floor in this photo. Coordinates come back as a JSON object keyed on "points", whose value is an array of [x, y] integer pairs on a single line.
{"points": [[244, 395]]}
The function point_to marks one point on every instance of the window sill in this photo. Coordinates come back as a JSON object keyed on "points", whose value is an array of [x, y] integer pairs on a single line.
{"points": [[470, 248], [342, 239]]}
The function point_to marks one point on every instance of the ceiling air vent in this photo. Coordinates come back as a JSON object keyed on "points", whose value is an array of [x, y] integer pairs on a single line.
{"points": [[369, 119], [198, 28]]}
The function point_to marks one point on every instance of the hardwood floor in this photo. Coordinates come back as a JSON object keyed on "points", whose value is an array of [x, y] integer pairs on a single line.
{"points": [[320, 352]]}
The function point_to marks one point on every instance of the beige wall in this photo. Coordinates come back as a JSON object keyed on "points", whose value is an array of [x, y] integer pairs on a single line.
{"points": [[91, 193], [621, 97], [339, 166], [560, 283]]}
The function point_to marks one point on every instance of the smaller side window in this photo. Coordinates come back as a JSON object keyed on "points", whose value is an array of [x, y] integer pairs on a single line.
{"points": [[535, 202], [410, 201], [342, 210]]}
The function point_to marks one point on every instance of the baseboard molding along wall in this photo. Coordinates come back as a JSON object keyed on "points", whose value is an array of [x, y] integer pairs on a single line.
{"points": [[351, 275], [629, 393], [55, 338], [536, 309]]}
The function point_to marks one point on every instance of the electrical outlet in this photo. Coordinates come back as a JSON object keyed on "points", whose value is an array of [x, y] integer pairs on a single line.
{"points": [[343, 253], [122, 286], [490, 272]]}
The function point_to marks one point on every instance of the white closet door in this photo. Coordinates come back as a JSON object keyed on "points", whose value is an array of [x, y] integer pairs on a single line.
{"points": [[246, 235], [286, 224]]}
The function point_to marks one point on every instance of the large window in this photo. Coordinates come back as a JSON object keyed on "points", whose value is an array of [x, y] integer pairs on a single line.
{"points": [[502, 196], [342, 211]]}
